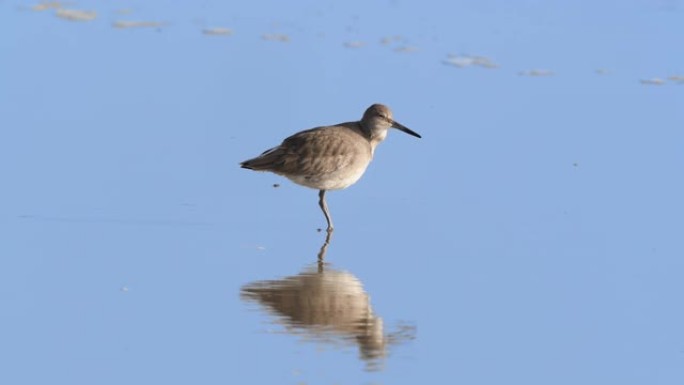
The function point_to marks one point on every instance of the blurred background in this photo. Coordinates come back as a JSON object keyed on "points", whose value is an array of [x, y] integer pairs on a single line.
{"points": [[533, 235]]}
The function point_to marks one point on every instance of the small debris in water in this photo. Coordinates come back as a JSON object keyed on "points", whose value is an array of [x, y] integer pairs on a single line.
{"points": [[354, 44], [218, 31], [391, 39], [47, 5], [76, 15], [536, 73], [462, 61], [136, 24], [276, 185], [406, 49], [652, 82], [276, 37]]}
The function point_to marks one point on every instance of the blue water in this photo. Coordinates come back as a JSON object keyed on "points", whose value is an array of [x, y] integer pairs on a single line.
{"points": [[533, 235]]}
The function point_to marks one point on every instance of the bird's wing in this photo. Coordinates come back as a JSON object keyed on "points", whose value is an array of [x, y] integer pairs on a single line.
{"points": [[320, 150]]}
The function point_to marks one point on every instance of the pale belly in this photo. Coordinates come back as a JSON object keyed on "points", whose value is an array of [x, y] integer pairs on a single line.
{"points": [[335, 180]]}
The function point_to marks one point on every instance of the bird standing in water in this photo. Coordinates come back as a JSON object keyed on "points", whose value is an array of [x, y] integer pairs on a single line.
{"points": [[329, 157]]}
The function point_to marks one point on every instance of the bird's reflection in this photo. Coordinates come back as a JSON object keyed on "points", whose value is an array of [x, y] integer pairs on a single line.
{"points": [[324, 248], [328, 305]]}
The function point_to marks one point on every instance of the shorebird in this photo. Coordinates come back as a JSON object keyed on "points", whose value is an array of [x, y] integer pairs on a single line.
{"points": [[329, 157]]}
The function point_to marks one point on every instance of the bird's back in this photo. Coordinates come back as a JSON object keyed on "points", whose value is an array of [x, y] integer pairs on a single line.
{"points": [[329, 157]]}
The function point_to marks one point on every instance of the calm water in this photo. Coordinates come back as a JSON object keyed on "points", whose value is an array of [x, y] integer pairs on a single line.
{"points": [[533, 235]]}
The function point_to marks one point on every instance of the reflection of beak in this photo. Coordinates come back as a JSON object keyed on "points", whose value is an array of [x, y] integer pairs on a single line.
{"points": [[405, 129]]}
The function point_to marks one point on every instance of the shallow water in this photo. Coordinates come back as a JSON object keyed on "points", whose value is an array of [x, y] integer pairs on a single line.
{"points": [[533, 235]]}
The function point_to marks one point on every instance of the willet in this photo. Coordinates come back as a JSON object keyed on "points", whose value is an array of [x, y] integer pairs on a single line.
{"points": [[329, 157]]}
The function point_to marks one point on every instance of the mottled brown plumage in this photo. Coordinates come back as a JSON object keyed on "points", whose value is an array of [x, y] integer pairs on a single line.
{"points": [[329, 157]]}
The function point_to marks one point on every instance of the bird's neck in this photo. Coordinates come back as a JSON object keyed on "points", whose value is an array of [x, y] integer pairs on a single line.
{"points": [[373, 134], [376, 136]]}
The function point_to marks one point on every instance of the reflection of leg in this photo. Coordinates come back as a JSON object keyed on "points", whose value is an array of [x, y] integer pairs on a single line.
{"points": [[324, 207], [324, 248]]}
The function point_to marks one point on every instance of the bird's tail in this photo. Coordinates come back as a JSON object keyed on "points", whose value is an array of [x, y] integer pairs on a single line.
{"points": [[250, 164], [262, 162]]}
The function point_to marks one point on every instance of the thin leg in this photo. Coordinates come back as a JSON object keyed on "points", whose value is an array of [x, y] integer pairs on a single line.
{"points": [[324, 207]]}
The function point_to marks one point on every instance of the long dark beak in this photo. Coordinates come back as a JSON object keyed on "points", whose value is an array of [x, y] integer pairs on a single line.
{"points": [[407, 130]]}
